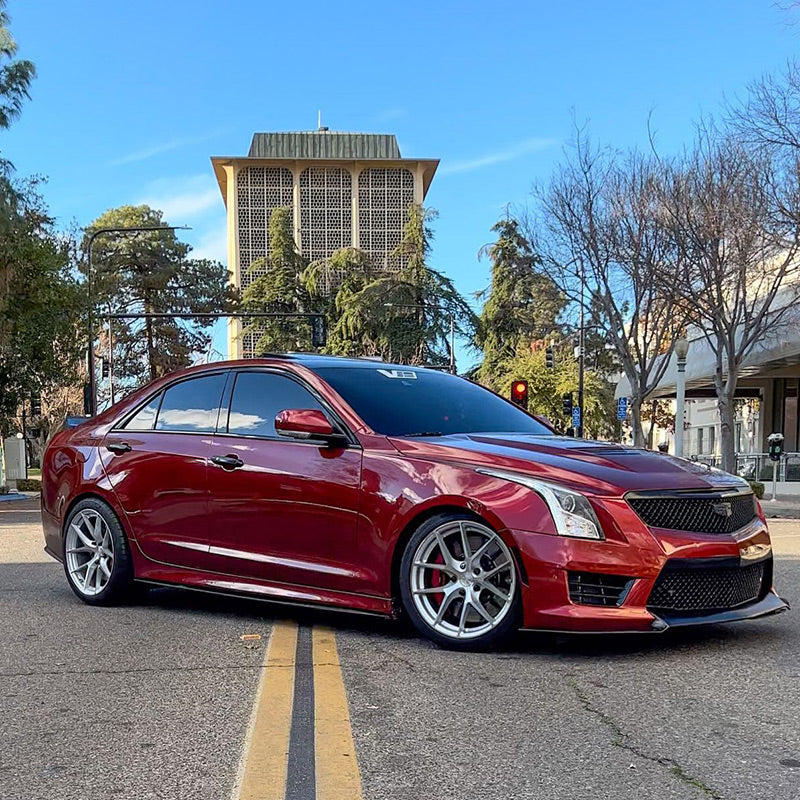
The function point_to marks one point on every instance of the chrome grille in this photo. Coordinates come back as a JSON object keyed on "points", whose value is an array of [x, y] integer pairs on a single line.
{"points": [[697, 513]]}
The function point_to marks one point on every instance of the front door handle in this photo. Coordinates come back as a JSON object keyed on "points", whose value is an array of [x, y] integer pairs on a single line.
{"points": [[228, 462], [118, 447]]}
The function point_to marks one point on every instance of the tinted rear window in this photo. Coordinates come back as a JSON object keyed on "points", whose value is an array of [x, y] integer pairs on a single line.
{"points": [[398, 402], [192, 405]]}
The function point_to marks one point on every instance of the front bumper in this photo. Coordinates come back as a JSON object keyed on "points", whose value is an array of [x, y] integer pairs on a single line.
{"points": [[547, 561]]}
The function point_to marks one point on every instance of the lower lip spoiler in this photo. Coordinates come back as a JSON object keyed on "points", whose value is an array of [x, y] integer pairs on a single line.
{"points": [[771, 604]]}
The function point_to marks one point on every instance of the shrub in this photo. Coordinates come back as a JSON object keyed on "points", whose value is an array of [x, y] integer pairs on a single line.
{"points": [[758, 488], [5, 489], [29, 485]]}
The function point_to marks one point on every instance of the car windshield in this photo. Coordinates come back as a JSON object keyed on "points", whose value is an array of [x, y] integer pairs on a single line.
{"points": [[407, 402]]}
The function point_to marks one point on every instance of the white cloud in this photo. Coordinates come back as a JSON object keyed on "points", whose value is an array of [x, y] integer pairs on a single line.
{"points": [[163, 147], [499, 156], [183, 198], [213, 244]]}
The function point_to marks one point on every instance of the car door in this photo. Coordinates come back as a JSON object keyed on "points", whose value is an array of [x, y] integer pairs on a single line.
{"points": [[280, 509], [157, 462]]}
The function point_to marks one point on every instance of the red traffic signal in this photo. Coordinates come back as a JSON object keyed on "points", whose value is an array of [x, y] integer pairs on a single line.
{"points": [[519, 393]]}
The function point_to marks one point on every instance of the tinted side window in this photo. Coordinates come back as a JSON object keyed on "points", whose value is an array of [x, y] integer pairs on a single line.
{"points": [[144, 418], [192, 405], [257, 399]]}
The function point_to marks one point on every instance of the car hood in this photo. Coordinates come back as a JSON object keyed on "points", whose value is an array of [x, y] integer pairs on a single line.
{"points": [[601, 468]]}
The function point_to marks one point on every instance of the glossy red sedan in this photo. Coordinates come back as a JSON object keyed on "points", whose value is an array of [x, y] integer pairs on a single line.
{"points": [[385, 489]]}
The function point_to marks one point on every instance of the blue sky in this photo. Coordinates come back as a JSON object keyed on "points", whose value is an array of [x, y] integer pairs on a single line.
{"points": [[133, 98]]}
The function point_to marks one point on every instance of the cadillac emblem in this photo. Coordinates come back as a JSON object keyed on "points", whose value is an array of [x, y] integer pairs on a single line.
{"points": [[723, 509]]}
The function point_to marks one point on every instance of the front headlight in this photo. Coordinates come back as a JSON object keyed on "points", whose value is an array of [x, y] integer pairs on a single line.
{"points": [[572, 513]]}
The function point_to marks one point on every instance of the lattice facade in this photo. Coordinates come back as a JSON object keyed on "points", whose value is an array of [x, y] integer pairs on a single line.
{"points": [[259, 190], [326, 212], [321, 199], [384, 196]]}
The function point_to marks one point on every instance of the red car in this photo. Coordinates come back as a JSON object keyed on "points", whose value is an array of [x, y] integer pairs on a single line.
{"points": [[384, 488]]}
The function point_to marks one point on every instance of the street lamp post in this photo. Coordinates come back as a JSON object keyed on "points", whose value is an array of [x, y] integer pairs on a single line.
{"points": [[681, 351], [100, 231]]}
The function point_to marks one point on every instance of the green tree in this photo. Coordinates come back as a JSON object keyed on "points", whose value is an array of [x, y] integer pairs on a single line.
{"points": [[278, 288], [521, 304], [402, 316], [41, 306], [16, 74], [349, 271], [151, 272], [546, 387]]}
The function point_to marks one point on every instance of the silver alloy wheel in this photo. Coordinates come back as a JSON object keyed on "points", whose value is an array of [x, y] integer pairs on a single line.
{"points": [[463, 579], [89, 552]]}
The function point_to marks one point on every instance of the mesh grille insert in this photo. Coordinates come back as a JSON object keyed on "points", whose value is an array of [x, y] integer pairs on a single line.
{"points": [[708, 513], [596, 589], [706, 589]]}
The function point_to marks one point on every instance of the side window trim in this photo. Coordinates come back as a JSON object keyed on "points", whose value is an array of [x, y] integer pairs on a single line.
{"points": [[337, 421], [162, 392]]}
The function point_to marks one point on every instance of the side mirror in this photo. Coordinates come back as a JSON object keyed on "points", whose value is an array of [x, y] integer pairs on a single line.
{"points": [[308, 423]]}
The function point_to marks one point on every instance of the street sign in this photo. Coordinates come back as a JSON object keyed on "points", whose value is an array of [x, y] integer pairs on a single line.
{"points": [[622, 408], [576, 417]]}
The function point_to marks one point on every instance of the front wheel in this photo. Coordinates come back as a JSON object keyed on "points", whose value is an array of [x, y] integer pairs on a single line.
{"points": [[97, 558], [458, 583]]}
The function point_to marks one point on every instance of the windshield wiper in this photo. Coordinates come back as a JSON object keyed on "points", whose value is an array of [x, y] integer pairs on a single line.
{"points": [[422, 433]]}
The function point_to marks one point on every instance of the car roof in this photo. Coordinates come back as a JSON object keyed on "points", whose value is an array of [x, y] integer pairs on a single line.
{"points": [[315, 361]]}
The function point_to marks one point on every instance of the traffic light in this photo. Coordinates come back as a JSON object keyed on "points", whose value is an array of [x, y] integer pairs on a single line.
{"points": [[566, 405], [106, 368], [519, 393], [36, 405], [319, 335], [549, 358]]}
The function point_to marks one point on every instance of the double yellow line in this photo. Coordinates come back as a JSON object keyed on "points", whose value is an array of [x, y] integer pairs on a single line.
{"points": [[263, 771]]}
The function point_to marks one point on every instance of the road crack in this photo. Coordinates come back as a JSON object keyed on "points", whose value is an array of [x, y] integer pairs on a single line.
{"points": [[623, 740]]}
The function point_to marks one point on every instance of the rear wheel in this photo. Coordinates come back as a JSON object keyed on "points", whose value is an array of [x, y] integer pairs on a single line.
{"points": [[458, 583], [97, 558]]}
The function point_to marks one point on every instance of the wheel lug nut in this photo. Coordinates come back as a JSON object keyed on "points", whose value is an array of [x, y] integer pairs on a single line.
{"points": [[462, 565]]}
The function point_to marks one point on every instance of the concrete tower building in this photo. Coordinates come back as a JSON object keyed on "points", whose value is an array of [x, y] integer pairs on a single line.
{"points": [[344, 190]]}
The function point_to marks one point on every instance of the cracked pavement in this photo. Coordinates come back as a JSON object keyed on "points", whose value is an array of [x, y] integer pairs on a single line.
{"points": [[153, 700]]}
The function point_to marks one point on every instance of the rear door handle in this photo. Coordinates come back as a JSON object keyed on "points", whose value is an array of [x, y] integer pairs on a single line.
{"points": [[119, 447], [228, 462]]}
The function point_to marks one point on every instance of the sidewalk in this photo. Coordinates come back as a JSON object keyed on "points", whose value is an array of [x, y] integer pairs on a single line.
{"points": [[782, 508]]}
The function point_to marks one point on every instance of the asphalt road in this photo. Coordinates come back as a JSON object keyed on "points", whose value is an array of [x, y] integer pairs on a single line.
{"points": [[155, 700]]}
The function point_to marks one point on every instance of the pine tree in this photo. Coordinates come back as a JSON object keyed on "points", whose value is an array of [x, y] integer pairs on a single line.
{"points": [[151, 272], [279, 289], [521, 304]]}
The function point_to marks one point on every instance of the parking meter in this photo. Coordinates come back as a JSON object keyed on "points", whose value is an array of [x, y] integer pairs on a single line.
{"points": [[775, 451], [775, 442]]}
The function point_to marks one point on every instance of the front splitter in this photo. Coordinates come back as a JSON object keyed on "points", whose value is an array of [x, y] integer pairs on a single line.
{"points": [[771, 604]]}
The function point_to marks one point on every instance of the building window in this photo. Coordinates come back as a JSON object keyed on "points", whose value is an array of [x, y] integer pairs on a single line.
{"points": [[712, 435], [259, 190], [700, 449], [326, 212], [384, 196]]}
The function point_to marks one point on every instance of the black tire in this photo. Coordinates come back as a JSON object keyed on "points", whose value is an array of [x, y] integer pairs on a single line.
{"points": [[492, 638], [119, 588]]}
